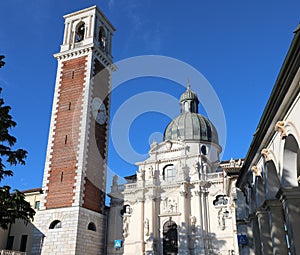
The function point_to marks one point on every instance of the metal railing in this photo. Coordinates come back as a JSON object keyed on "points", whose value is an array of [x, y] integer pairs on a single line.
{"points": [[212, 176], [130, 186], [10, 252]]}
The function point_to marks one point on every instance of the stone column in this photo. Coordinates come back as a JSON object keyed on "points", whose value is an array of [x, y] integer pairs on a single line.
{"points": [[141, 201], [183, 232], [205, 217], [290, 198], [276, 221], [234, 224], [264, 232], [150, 222], [254, 233], [197, 232]]}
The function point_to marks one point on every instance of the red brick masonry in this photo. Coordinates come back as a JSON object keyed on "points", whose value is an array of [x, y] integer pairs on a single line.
{"points": [[66, 135]]}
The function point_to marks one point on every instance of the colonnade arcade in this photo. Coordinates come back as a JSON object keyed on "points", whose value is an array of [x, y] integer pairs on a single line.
{"points": [[272, 196]]}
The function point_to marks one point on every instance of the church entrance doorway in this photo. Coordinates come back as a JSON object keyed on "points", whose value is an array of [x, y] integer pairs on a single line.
{"points": [[170, 238]]}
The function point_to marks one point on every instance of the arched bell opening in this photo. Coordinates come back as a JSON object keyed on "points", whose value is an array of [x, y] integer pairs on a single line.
{"points": [[79, 32]]}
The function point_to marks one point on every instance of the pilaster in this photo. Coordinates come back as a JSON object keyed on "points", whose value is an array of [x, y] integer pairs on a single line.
{"points": [[150, 222], [254, 232], [276, 221], [196, 238], [264, 231], [183, 234], [290, 198], [205, 213]]}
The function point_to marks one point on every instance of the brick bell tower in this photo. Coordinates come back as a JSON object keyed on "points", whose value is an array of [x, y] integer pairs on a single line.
{"points": [[71, 218]]}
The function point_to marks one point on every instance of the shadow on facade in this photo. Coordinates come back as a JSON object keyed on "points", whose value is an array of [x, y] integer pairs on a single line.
{"points": [[22, 237]]}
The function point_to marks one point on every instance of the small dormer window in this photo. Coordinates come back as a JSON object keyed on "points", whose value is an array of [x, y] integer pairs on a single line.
{"points": [[79, 33], [102, 37]]}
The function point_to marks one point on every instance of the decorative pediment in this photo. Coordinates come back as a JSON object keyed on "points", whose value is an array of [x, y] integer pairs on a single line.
{"points": [[167, 146]]}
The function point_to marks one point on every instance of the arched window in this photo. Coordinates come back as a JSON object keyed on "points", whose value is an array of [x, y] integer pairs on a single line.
{"points": [[169, 173], [170, 238], [186, 106], [259, 191], [290, 171], [203, 150], [92, 226], [55, 224], [272, 182], [102, 37], [79, 33]]}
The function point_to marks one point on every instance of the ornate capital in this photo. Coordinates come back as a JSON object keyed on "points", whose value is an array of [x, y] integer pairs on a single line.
{"points": [[140, 199], [280, 127], [255, 170], [197, 192], [265, 153], [183, 193], [205, 184]]}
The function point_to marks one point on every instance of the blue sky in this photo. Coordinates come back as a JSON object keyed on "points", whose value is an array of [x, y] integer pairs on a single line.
{"points": [[238, 46]]}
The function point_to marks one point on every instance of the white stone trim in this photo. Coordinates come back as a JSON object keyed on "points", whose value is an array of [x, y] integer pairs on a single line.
{"points": [[51, 135], [83, 136]]}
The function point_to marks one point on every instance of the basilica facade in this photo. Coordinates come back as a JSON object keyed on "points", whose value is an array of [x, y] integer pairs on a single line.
{"points": [[182, 199], [176, 203]]}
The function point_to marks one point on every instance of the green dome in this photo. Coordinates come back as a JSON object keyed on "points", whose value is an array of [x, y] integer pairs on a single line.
{"points": [[190, 126]]}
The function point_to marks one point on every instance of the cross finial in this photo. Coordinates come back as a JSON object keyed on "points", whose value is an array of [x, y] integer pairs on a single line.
{"points": [[188, 84]]}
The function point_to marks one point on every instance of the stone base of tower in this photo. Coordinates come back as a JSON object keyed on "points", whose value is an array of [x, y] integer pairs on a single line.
{"points": [[82, 231]]}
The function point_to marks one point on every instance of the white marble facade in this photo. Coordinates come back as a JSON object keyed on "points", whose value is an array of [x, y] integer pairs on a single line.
{"points": [[177, 202]]}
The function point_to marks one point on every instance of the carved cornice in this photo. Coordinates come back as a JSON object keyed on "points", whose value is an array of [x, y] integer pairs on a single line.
{"points": [[77, 52], [107, 62], [168, 214], [73, 53]]}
